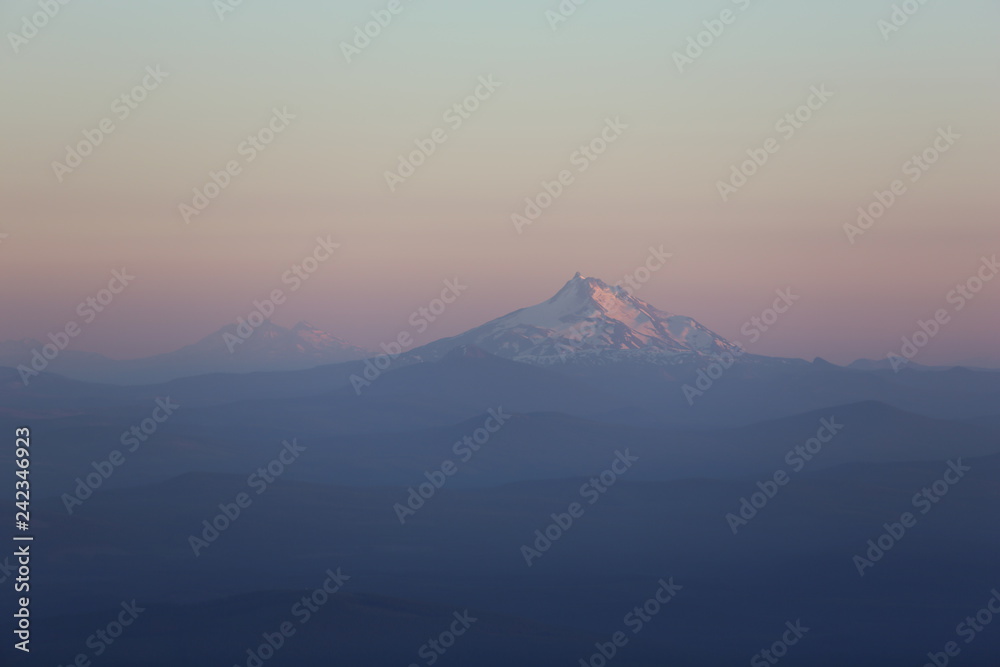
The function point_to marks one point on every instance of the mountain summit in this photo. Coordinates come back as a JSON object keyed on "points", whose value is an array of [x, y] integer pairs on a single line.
{"points": [[588, 320]]}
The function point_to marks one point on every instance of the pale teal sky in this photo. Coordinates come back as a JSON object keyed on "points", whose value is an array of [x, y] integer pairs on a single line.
{"points": [[656, 185]]}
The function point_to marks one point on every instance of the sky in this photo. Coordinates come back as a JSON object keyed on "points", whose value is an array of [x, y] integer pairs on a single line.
{"points": [[331, 120]]}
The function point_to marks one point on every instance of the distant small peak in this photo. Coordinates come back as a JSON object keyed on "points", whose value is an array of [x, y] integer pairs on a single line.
{"points": [[579, 276]]}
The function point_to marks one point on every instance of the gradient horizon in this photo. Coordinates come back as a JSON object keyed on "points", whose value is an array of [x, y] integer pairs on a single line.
{"points": [[655, 186]]}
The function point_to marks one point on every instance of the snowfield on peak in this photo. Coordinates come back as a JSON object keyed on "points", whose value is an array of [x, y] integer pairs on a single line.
{"points": [[588, 320]]}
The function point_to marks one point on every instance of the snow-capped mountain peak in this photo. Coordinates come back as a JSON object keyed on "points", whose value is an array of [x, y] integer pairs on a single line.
{"points": [[589, 320]]}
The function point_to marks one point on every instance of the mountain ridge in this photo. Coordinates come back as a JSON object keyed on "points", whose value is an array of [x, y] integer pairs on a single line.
{"points": [[228, 350], [586, 323]]}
